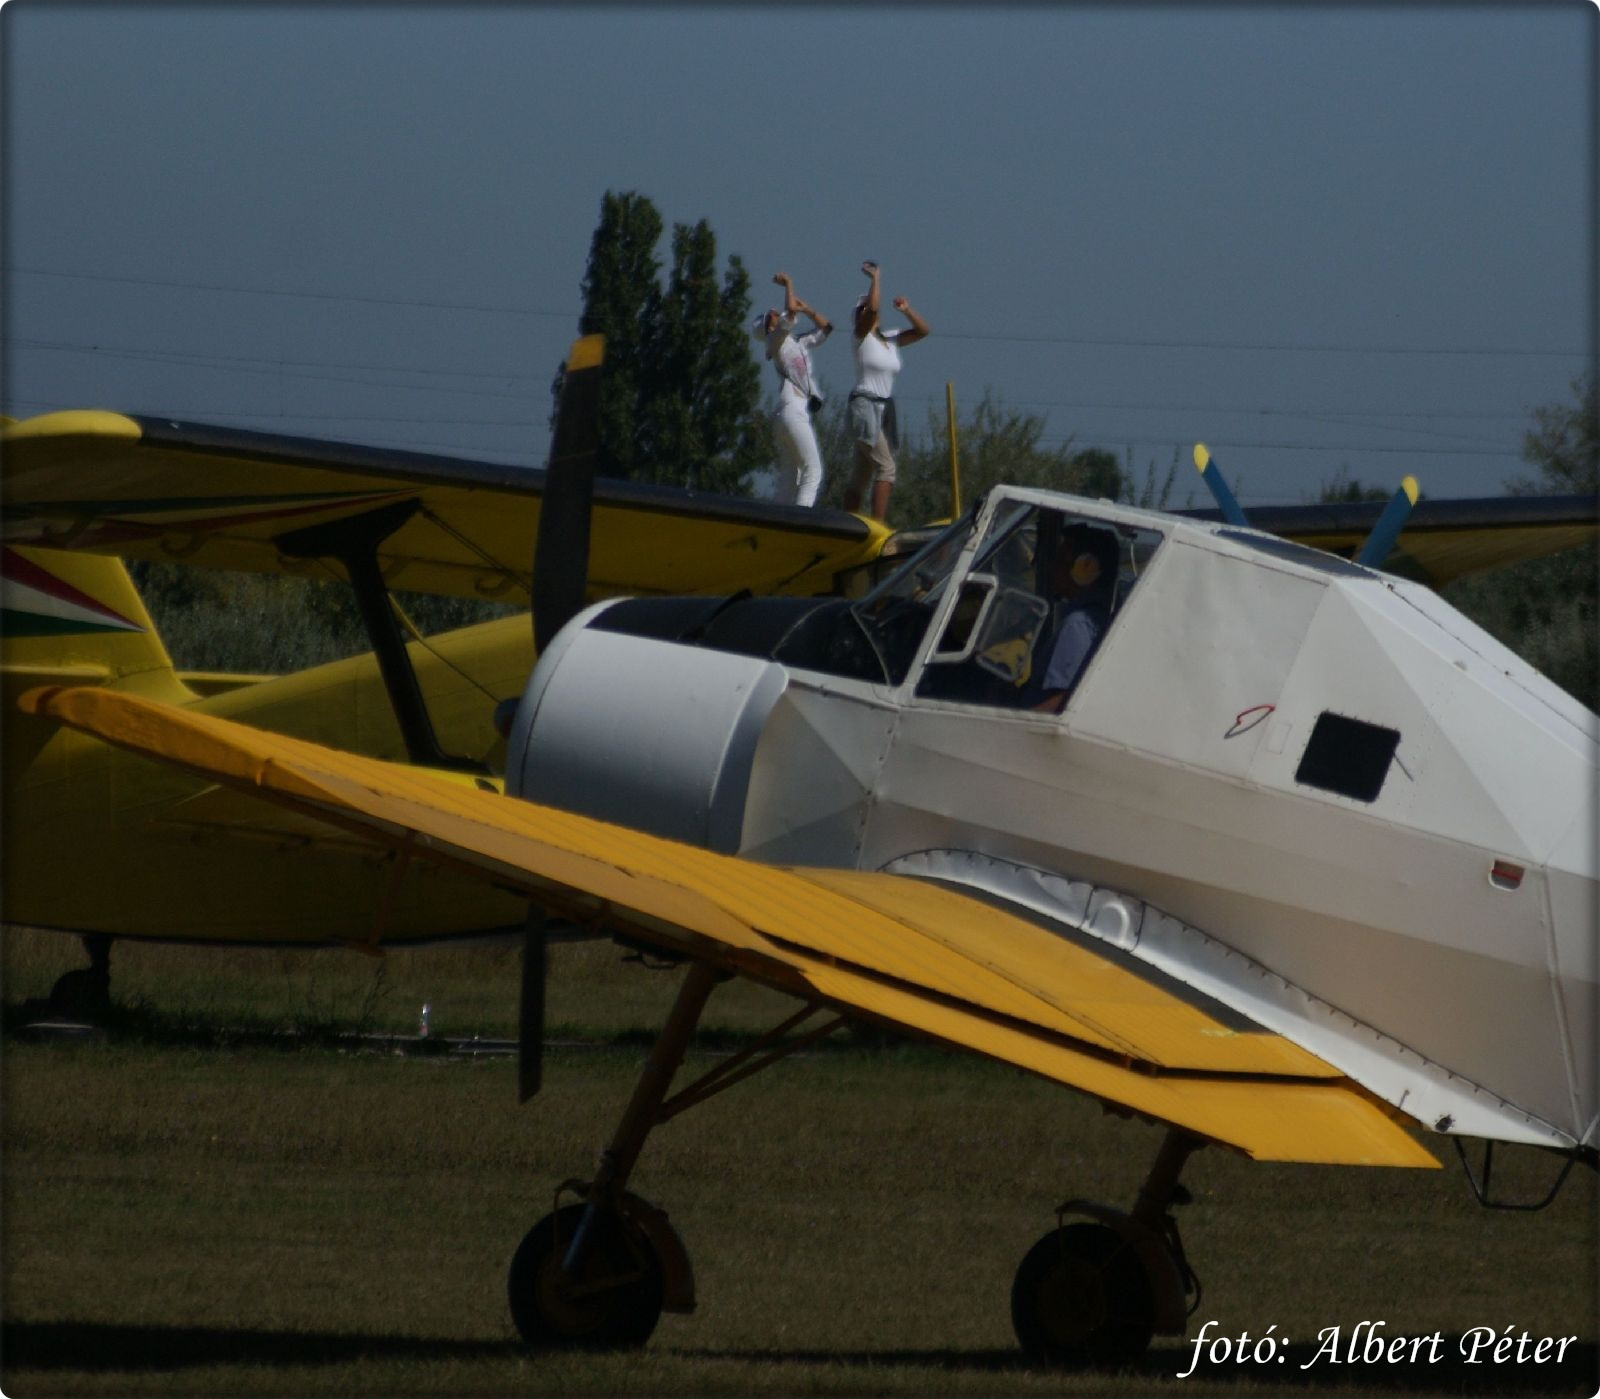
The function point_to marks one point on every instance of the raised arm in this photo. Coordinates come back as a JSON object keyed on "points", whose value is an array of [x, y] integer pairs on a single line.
{"points": [[867, 310], [793, 305], [919, 327], [791, 302]]}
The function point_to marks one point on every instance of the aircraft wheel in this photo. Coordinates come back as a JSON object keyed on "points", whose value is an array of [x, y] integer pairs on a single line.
{"points": [[1081, 1298], [613, 1301]]}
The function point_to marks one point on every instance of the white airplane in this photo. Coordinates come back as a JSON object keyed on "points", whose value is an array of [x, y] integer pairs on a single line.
{"points": [[1279, 774], [1275, 849], [1311, 794]]}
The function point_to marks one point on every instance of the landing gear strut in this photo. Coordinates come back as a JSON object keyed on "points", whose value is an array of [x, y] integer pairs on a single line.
{"points": [[1095, 1293], [597, 1274], [85, 992]]}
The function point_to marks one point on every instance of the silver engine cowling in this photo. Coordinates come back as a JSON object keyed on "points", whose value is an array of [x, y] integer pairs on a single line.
{"points": [[643, 731]]}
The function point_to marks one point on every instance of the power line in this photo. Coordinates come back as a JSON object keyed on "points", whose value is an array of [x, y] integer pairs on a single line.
{"points": [[289, 368], [1123, 342], [1264, 345], [1120, 441], [1135, 406], [1371, 419], [280, 369], [222, 361], [1102, 442], [174, 283], [207, 415]]}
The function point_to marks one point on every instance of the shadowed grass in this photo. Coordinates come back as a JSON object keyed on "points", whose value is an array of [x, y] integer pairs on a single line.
{"points": [[257, 1222], [597, 990]]}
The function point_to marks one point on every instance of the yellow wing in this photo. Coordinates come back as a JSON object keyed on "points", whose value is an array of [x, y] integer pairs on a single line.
{"points": [[916, 955], [1443, 539], [148, 488]]}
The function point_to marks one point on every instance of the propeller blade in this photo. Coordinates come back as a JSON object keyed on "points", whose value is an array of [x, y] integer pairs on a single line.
{"points": [[561, 553], [530, 1007], [1390, 523], [1211, 474], [560, 579]]}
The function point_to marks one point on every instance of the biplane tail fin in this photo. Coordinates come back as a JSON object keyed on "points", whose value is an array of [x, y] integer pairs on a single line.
{"points": [[77, 619]]}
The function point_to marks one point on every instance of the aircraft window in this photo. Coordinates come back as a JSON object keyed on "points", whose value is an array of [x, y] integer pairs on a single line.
{"points": [[977, 590], [1006, 645], [894, 616], [925, 571], [1010, 632], [1347, 756], [1011, 547]]}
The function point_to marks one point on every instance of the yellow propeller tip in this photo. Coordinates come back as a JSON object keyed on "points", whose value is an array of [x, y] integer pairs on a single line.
{"points": [[1202, 458], [587, 351]]}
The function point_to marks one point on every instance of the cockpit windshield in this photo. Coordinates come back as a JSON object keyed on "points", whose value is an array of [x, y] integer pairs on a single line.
{"points": [[999, 637], [895, 614], [922, 577]]}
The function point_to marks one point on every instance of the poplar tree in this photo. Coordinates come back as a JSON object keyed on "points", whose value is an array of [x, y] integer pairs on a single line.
{"points": [[620, 301], [680, 392], [701, 384]]}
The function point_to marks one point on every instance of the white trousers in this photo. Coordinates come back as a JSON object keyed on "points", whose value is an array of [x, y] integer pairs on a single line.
{"points": [[799, 460]]}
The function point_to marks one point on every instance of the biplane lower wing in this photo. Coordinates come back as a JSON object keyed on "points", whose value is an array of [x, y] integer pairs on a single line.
{"points": [[912, 954]]}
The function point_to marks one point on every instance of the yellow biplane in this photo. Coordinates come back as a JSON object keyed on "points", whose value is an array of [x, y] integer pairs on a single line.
{"points": [[740, 748]]}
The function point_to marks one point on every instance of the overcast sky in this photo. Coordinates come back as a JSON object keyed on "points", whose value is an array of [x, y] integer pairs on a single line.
{"points": [[1319, 238]]}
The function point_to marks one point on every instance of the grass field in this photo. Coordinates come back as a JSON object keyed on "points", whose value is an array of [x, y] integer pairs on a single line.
{"points": [[188, 1212]]}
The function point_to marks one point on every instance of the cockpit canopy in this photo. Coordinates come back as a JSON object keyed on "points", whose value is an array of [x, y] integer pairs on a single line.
{"points": [[993, 584], [1015, 566]]}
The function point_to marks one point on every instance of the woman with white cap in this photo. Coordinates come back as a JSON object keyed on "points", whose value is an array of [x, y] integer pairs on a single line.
{"points": [[872, 419], [799, 459]]}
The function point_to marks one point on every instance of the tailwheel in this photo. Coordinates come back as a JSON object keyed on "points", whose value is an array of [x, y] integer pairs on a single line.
{"points": [[610, 1299], [1081, 1298]]}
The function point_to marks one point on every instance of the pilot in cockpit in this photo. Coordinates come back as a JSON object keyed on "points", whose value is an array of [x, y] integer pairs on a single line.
{"points": [[1084, 579]]}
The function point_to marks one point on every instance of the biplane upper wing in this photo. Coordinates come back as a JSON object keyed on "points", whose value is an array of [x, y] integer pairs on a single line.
{"points": [[913, 954], [1443, 539], [151, 488]]}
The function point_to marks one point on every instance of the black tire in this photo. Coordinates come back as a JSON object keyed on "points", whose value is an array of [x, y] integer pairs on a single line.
{"points": [[614, 1301], [1081, 1298]]}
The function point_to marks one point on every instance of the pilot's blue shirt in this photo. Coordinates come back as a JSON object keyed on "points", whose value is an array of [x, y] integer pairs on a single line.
{"points": [[1082, 626]]}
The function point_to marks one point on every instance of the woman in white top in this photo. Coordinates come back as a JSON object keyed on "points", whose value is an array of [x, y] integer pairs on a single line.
{"points": [[872, 424], [799, 459]]}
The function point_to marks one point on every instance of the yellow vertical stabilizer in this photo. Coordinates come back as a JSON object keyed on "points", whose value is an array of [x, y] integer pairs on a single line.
{"points": [[78, 619]]}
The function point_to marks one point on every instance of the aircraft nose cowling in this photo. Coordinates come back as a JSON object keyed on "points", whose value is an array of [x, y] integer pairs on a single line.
{"points": [[644, 732]]}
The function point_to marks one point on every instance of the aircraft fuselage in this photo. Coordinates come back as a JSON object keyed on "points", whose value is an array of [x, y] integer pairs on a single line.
{"points": [[1311, 791]]}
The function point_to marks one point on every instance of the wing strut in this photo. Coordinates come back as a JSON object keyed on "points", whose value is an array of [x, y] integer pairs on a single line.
{"points": [[354, 543]]}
